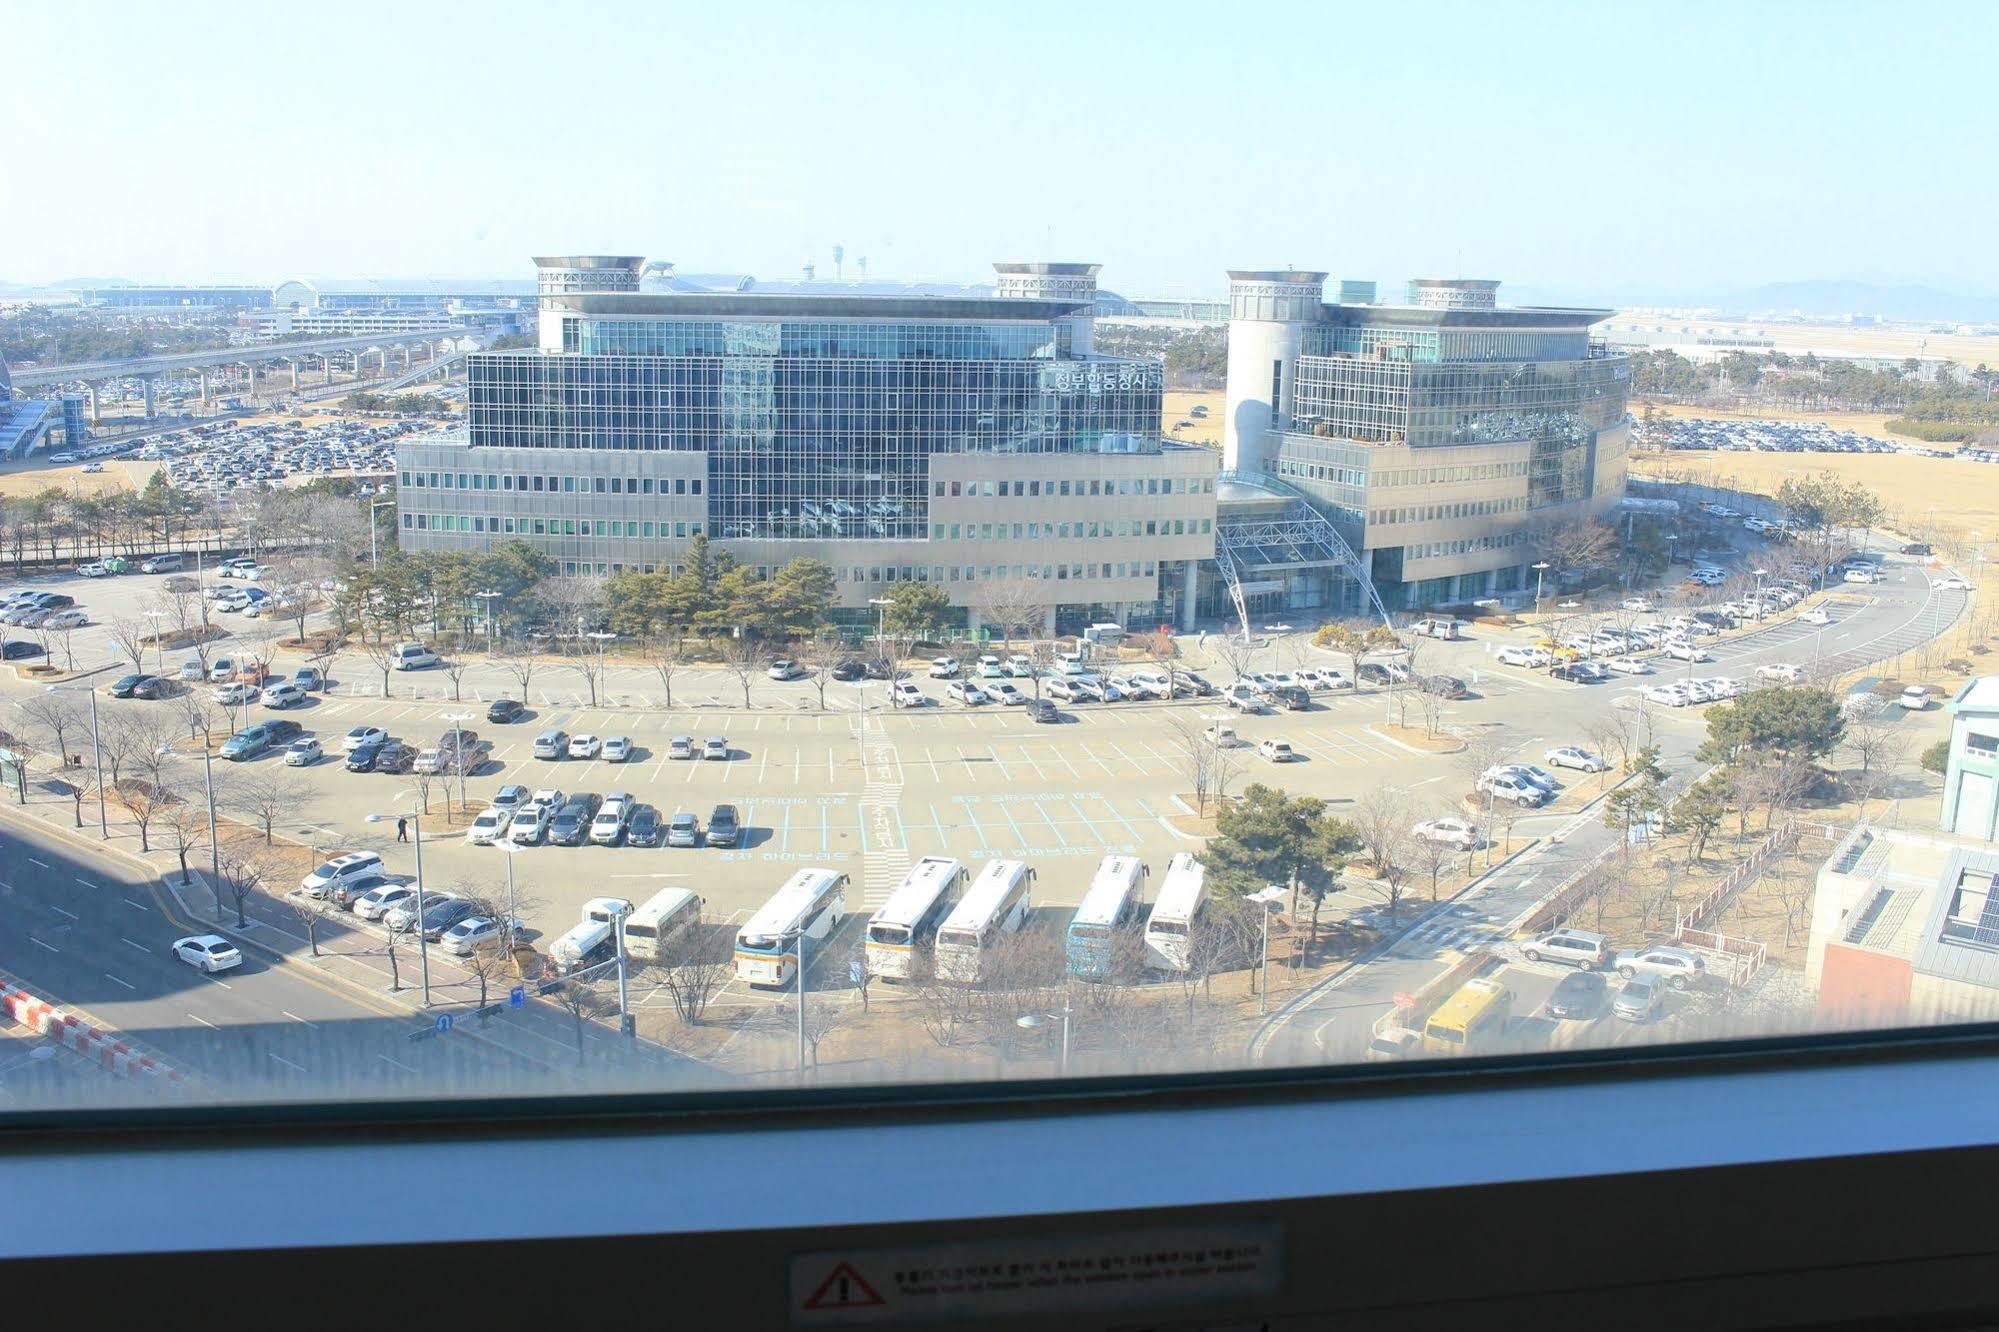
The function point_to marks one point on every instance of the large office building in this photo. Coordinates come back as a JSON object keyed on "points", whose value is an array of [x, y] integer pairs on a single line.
{"points": [[1434, 436], [975, 441]]}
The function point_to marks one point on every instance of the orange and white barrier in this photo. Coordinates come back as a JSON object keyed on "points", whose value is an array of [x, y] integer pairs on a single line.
{"points": [[85, 1038]]}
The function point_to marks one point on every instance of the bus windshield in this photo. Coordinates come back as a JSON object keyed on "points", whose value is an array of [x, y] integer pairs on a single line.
{"points": [[1169, 927], [1089, 932], [888, 934], [962, 938]]}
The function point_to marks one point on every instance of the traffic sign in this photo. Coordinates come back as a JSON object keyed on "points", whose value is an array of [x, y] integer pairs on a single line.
{"points": [[443, 1023], [517, 997]]}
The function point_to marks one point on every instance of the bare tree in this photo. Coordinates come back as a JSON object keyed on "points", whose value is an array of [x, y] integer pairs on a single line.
{"points": [[1430, 856], [185, 830], [820, 656], [54, 722], [590, 661], [1880, 750], [1609, 734], [243, 872], [944, 1008], [1484, 750], [666, 653], [1208, 765], [55, 639], [422, 783], [582, 1004], [1382, 816], [1235, 652], [520, 661], [266, 794], [311, 914], [454, 667], [745, 658], [696, 972], [1014, 606], [379, 651], [129, 634]]}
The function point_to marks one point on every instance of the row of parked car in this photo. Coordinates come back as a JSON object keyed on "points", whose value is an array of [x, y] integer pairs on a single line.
{"points": [[528, 818], [360, 883], [31, 609]]}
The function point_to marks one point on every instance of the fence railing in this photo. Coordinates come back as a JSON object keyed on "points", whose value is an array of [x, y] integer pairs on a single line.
{"points": [[1752, 865], [1745, 956]]}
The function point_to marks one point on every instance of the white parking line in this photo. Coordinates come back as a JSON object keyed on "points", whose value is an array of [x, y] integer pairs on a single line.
{"points": [[127, 984], [60, 912], [51, 947], [397, 1062], [204, 1021], [141, 947], [296, 1018], [298, 1068]]}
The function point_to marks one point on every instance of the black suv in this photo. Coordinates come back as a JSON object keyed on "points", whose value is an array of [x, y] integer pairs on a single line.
{"points": [[128, 686], [645, 829], [1292, 697], [571, 824], [1043, 710], [850, 669], [506, 710], [395, 756], [723, 829]]}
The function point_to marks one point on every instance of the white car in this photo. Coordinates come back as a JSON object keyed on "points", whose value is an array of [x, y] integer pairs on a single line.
{"points": [[1639, 605], [1322, 677], [403, 915], [617, 748], [965, 692], [208, 952], [284, 694], [1575, 756], [1672, 695], [905, 694], [1700, 691], [1628, 666], [303, 753], [1815, 616], [1915, 698], [1277, 751], [784, 668], [1004, 692], [715, 747], [362, 736], [1780, 673], [471, 934], [1506, 785], [1683, 651], [222, 668], [680, 747], [510, 797], [943, 668], [1448, 832], [488, 828], [339, 870], [231, 694], [73, 618], [1524, 656], [1720, 686], [1952, 584], [585, 747]]}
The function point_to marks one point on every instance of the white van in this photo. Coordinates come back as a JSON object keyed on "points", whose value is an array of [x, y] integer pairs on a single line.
{"points": [[656, 931], [1862, 576], [412, 657]]}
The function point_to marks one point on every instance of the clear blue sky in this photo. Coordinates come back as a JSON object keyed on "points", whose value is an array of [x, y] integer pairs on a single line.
{"points": [[1590, 146]]}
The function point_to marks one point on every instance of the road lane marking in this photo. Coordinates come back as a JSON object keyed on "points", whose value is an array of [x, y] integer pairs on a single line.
{"points": [[296, 1018], [204, 1021], [59, 911], [51, 947], [286, 1062], [43, 863], [127, 984], [141, 947], [397, 1062], [224, 984]]}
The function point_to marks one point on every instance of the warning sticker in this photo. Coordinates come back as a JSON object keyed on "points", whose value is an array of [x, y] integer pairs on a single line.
{"points": [[1043, 1274]]}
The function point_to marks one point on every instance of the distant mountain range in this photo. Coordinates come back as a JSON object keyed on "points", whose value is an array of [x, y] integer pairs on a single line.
{"points": [[1964, 305]]}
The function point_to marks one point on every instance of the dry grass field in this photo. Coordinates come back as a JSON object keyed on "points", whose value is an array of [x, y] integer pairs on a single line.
{"points": [[1872, 424], [1922, 494], [1201, 430]]}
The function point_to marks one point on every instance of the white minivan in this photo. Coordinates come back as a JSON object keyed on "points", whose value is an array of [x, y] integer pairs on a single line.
{"points": [[412, 657]]}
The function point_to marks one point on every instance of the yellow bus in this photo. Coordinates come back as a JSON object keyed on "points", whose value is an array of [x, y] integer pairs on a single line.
{"points": [[1470, 1021]]}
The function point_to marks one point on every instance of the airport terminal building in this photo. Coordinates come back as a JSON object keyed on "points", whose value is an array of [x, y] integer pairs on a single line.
{"points": [[1434, 437], [969, 440]]}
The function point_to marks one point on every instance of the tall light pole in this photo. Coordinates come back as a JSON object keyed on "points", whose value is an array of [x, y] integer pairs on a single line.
{"points": [[159, 641], [214, 846], [97, 751], [1267, 899], [1539, 569], [422, 943], [1036, 1021], [374, 544], [488, 597], [881, 605]]}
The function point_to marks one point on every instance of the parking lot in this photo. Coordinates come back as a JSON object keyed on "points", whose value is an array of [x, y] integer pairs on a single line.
{"points": [[866, 789]]}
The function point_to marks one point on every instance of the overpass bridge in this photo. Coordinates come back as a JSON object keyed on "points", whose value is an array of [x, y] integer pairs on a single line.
{"points": [[249, 358]]}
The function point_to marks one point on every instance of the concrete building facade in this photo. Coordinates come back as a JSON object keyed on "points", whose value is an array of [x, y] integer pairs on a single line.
{"points": [[1435, 436], [968, 441]]}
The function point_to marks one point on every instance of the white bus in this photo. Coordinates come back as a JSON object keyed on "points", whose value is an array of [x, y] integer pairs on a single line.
{"points": [[661, 927], [996, 904], [811, 904], [1183, 899], [1112, 913], [906, 924]]}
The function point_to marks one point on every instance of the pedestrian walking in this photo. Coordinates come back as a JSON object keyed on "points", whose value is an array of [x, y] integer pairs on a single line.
{"points": [[402, 830]]}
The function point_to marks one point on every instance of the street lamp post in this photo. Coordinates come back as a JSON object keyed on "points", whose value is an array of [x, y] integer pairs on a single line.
{"points": [[422, 943], [214, 847], [159, 641], [96, 750], [881, 605], [374, 544], [1539, 569], [457, 720], [1267, 898], [1036, 1021], [488, 597]]}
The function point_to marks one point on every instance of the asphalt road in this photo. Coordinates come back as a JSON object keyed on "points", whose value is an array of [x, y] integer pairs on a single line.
{"points": [[95, 936], [1335, 1022]]}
